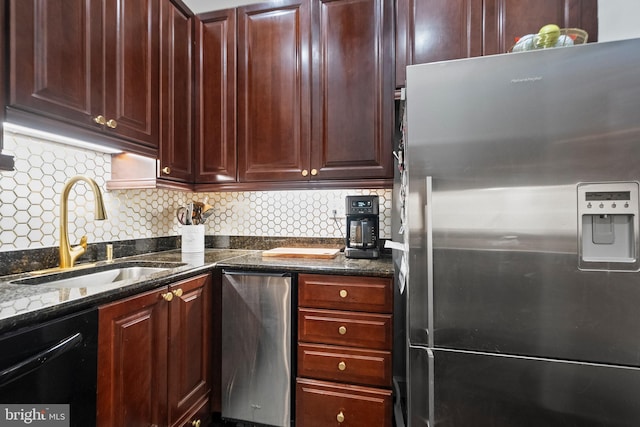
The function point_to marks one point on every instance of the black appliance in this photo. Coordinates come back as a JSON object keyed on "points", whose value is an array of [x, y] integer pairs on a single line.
{"points": [[362, 227], [53, 363]]}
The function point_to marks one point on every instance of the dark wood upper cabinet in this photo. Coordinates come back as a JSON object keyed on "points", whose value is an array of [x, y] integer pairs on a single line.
{"points": [[352, 89], [176, 91], [215, 100], [89, 63], [6, 161], [274, 91], [131, 70], [315, 91], [437, 30], [50, 77], [505, 20]]}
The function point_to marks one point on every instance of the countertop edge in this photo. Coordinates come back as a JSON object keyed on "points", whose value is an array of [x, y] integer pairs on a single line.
{"points": [[211, 259]]}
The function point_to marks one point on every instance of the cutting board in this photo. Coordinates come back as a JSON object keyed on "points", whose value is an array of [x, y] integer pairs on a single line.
{"points": [[325, 253]]}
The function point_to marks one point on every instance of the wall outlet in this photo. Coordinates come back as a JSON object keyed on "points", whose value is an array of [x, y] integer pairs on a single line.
{"points": [[335, 209]]}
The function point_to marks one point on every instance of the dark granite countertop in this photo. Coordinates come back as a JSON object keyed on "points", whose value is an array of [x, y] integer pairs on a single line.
{"points": [[339, 265], [22, 305]]}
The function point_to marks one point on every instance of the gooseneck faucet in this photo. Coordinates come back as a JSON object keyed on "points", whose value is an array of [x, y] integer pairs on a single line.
{"points": [[68, 254]]}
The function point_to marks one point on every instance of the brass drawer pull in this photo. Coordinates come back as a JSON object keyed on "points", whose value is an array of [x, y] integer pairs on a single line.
{"points": [[342, 366], [177, 292], [342, 330], [100, 120], [340, 417], [305, 172], [168, 296], [343, 293], [112, 124], [314, 172]]}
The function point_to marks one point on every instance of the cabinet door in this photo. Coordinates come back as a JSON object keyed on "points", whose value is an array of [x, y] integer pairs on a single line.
{"points": [[216, 97], [274, 91], [505, 20], [132, 360], [6, 162], [131, 69], [436, 30], [176, 137], [353, 89], [189, 360], [55, 58]]}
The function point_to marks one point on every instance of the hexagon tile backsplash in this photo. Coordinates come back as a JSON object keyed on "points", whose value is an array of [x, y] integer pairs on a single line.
{"points": [[30, 203]]}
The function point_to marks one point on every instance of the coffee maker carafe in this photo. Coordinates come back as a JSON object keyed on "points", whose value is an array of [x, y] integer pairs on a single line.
{"points": [[362, 227]]}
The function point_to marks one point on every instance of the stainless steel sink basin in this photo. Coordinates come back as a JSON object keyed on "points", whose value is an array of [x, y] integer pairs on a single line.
{"points": [[109, 274]]}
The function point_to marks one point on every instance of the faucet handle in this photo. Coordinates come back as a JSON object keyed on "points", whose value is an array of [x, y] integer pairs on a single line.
{"points": [[78, 250]]}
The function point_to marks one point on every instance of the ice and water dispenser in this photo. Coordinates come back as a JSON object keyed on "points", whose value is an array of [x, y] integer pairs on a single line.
{"points": [[608, 226]]}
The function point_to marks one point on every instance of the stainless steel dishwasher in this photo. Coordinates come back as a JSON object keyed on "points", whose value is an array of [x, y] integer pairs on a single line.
{"points": [[256, 348]]}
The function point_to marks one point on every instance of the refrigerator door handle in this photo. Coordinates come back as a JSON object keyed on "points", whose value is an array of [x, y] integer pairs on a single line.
{"points": [[420, 387], [429, 240], [430, 421]]}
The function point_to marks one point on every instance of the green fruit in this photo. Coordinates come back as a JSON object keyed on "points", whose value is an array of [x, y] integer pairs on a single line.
{"points": [[549, 28], [548, 35]]}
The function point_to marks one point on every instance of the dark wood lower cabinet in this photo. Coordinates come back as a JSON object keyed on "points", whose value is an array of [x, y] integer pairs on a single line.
{"points": [[345, 337], [154, 357], [322, 404]]}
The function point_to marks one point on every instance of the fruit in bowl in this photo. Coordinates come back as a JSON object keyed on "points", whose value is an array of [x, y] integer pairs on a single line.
{"points": [[550, 36]]}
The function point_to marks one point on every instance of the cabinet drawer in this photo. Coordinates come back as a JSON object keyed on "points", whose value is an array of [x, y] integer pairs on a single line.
{"points": [[322, 404], [345, 364], [345, 328], [374, 294], [200, 413]]}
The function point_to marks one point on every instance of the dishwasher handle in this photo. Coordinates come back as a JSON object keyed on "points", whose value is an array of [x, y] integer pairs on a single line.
{"points": [[254, 273], [37, 360]]}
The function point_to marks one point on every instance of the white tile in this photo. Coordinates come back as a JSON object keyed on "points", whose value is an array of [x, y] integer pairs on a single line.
{"points": [[43, 168]]}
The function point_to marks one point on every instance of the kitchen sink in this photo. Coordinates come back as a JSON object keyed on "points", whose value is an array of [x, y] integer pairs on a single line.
{"points": [[96, 276]]}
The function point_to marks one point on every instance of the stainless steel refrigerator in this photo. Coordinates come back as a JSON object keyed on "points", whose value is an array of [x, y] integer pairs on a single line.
{"points": [[523, 297]]}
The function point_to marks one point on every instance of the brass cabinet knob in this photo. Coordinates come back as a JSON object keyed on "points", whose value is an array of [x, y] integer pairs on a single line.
{"points": [[100, 120], [166, 170], [340, 417], [305, 172], [314, 172], [112, 124], [342, 366], [168, 296], [342, 330], [343, 293], [195, 423], [177, 292]]}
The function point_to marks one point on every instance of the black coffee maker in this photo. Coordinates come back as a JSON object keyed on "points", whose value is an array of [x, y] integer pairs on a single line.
{"points": [[362, 227]]}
